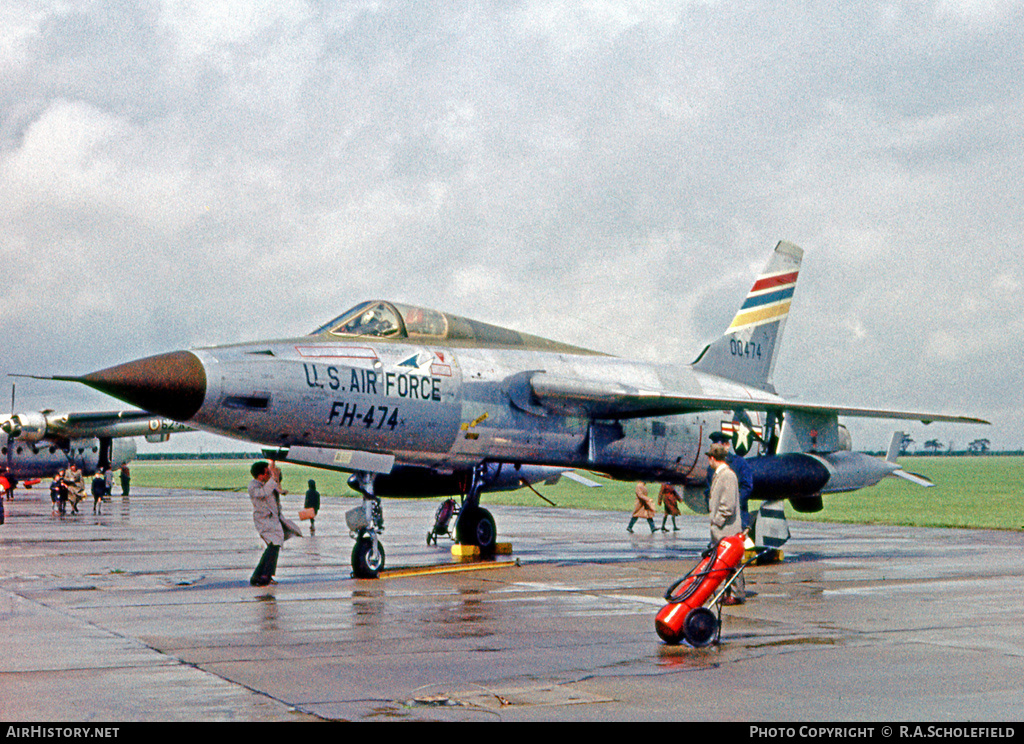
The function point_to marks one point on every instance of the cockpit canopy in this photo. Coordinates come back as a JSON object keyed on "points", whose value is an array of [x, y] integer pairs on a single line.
{"points": [[387, 320], [393, 320]]}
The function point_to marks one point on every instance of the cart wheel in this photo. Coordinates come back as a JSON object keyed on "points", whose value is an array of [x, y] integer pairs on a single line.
{"points": [[366, 563], [700, 627]]}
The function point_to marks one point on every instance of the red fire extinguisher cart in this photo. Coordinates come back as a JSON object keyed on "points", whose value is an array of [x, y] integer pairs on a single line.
{"points": [[689, 614]]}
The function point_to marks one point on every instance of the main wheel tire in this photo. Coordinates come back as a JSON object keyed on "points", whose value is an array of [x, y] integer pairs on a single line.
{"points": [[486, 532], [478, 528], [367, 564], [700, 627]]}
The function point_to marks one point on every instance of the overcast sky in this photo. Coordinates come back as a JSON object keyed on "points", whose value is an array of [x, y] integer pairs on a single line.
{"points": [[609, 174]]}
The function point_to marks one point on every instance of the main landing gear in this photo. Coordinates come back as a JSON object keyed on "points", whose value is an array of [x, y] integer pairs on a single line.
{"points": [[475, 525]]}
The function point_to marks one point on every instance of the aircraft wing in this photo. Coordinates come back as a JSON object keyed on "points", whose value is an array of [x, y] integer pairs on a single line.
{"points": [[612, 400], [114, 424], [923, 417]]}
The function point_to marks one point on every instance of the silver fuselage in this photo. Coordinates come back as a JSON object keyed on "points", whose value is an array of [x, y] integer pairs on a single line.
{"points": [[448, 408]]}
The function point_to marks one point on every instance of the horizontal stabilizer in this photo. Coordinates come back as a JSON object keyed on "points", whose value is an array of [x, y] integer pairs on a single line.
{"points": [[583, 480], [895, 445], [913, 478]]}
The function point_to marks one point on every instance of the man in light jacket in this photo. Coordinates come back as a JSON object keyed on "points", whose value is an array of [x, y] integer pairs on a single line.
{"points": [[724, 510]]}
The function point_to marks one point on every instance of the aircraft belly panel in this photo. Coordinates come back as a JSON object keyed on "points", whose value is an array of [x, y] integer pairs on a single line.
{"points": [[26, 461], [667, 448]]}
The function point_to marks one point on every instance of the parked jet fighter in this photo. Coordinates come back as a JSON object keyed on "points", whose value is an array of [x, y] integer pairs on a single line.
{"points": [[42, 443], [411, 399]]}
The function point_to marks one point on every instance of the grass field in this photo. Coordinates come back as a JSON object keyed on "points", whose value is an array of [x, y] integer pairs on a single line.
{"points": [[981, 492]]}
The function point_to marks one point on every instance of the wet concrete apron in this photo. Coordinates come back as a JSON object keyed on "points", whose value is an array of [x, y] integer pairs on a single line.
{"points": [[145, 613]]}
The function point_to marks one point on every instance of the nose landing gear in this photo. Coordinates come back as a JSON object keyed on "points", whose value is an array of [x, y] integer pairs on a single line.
{"points": [[366, 522]]}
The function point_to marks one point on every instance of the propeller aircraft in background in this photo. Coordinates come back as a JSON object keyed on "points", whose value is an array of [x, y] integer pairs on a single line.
{"points": [[40, 444]]}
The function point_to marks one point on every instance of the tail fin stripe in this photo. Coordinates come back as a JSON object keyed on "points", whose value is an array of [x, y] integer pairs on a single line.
{"points": [[769, 282], [759, 316], [766, 299], [745, 353]]}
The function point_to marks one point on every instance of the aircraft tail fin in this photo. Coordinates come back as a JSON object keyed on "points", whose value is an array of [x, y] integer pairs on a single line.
{"points": [[746, 351]]}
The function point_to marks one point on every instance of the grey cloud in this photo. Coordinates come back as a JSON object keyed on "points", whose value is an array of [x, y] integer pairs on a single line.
{"points": [[612, 175]]}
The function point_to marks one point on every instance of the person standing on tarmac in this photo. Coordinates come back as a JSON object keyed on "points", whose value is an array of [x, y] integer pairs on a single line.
{"points": [[99, 487], [266, 515], [126, 480], [312, 502], [73, 481], [744, 476], [723, 511]]}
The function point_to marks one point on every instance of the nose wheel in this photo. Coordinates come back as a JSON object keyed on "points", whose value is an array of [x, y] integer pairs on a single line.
{"points": [[367, 556], [365, 523]]}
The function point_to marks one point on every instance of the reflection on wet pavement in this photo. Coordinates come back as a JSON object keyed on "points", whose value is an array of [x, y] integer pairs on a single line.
{"points": [[150, 602]]}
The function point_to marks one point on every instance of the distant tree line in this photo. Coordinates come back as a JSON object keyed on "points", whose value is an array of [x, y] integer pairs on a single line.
{"points": [[935, 447]]}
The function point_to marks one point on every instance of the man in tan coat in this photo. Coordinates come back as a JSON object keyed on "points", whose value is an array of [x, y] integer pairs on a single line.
{"points": [[724, 510], [644, 508], [264, 489]]}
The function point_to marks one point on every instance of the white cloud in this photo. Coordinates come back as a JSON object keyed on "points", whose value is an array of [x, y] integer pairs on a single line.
{"points": [[609, 174]]}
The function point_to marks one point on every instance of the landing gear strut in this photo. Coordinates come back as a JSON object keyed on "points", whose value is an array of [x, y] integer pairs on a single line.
{"points": [[475, 525]]}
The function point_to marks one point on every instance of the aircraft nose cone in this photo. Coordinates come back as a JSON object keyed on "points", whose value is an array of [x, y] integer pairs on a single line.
{"points": [[171, 385]]}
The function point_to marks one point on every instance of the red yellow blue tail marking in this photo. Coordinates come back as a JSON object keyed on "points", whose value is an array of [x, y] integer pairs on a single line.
{"points": [[768, 301]]}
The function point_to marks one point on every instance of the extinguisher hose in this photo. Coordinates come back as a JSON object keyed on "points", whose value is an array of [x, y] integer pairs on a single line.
{"points": [[698, 578]]}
